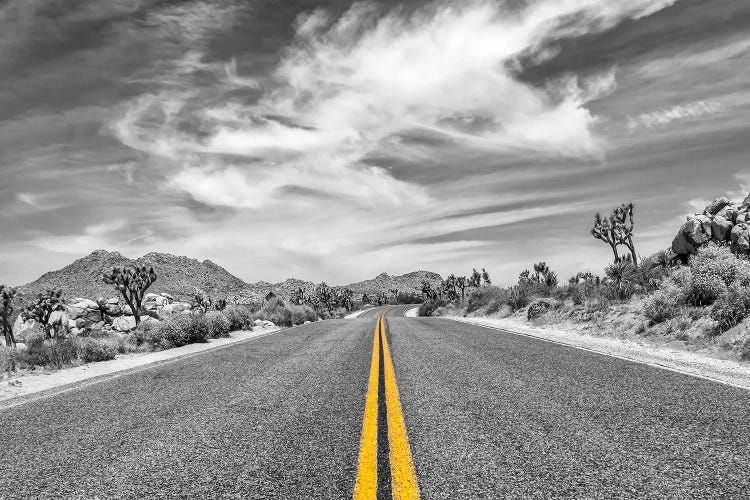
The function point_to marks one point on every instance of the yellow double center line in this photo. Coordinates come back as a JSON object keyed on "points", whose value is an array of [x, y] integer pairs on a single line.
{"points": [[403, 477]]}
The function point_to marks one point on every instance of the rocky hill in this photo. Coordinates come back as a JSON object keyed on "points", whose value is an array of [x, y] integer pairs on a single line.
{"points": [[179, 276], [384, 282]]}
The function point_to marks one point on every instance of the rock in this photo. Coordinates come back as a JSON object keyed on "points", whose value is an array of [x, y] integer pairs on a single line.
{"points": [[20, 327], [126, 310], [721, 228], [306, 322], [715, 206], [729, 213], [58, 317], [173, 308], [697, 229], [75, 332], [169, 298], [681, 246], [746, 202], [258, 322], [740, 237], [113, 301], [269, 324], [124, 323], [89, 304], [151, 306], [114, 310], [75, 312], [150, 296]]}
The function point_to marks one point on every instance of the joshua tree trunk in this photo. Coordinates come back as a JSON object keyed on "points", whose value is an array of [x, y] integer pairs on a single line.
{"points": [[631, 247]]}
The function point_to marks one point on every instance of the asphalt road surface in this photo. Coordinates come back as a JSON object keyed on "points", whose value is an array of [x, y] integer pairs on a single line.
{"points": [[488, 415]]}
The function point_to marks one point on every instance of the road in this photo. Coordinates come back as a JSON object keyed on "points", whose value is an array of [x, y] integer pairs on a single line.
{"points": [[488, 415]]}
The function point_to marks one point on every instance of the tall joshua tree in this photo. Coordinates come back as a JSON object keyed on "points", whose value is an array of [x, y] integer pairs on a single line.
{"points": [[42, 308], [486, 277], [617, 229], [132, 283], [6, 310], [604, 229], [461, 284], [476, 278], [625, 219]]}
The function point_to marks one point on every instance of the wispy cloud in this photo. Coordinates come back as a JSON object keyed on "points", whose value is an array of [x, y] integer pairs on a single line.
{"points": [[666, 116]]}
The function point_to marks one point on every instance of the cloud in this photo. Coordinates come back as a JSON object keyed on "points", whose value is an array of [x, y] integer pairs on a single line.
{"points": [[664, 117], [347, 88]]}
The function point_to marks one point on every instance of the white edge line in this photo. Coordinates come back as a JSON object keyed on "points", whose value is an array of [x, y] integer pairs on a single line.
{"points": [[74, 386], [624, 358]]}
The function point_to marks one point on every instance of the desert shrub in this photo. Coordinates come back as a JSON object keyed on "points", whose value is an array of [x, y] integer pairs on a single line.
{"points": [[428, 307], [518, 298], [218, 324], [303, 313], [53, 353], [240, 317], [145, 333], [576, 295], [179, 330], [538, 308], [705, 289], [494, 306], [482, 296], [664, 303], [731, 308], [621, 280], [649, 273], [718, 261], [276, 311], [90, 350]]}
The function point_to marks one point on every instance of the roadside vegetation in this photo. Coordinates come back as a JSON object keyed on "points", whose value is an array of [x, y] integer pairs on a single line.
{"points": [[701, 300]]}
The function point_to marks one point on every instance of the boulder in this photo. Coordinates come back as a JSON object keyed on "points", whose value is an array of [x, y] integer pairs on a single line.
{"points": [[20, 327], [150, 296], [697, 229], [268, 324], [740, 237], [173, 308], [75, 312], [729, 213], [681, 245], [124, 323], [88, 303], [721, 228], [58, 317], [75, 332], [258, 322], [746, 202], [113, 301], [126, 310], [114, 310], [169, 298], [715, 206]]}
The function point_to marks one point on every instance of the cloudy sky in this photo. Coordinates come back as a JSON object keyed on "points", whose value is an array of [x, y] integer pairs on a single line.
{"points": [[331, 140]]}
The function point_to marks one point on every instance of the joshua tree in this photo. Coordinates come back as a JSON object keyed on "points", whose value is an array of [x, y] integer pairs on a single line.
{"points": [[625, 223], [202, 300], [297, 297], [7, 294], [220, 304], [101, 304], [604, 229], [365, 299], [617, 229], [461, 284], [486, 277], [476, 278], [43, 307], [132, 283], [325, 296]]}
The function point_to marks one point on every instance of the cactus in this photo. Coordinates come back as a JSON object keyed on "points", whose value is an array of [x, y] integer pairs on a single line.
{"points": [[7, 294], [132, 283]]}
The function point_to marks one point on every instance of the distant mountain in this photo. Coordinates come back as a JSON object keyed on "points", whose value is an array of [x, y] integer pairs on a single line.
{"points": [[180, 276], [384, 282]]}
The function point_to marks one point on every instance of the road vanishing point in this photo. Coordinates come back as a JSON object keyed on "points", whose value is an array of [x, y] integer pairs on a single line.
{"points": [[382, 406]]}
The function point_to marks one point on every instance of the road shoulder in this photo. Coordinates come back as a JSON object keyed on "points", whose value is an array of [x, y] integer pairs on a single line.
{"points": [[33, 384], [721, 371]]}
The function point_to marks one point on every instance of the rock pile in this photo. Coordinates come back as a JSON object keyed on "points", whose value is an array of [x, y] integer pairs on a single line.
{"points": [[722, 222], [83, 314]]}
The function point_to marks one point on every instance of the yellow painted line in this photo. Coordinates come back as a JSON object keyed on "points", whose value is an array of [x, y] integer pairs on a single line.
{"points": [[366, 487], [404, 484]]}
